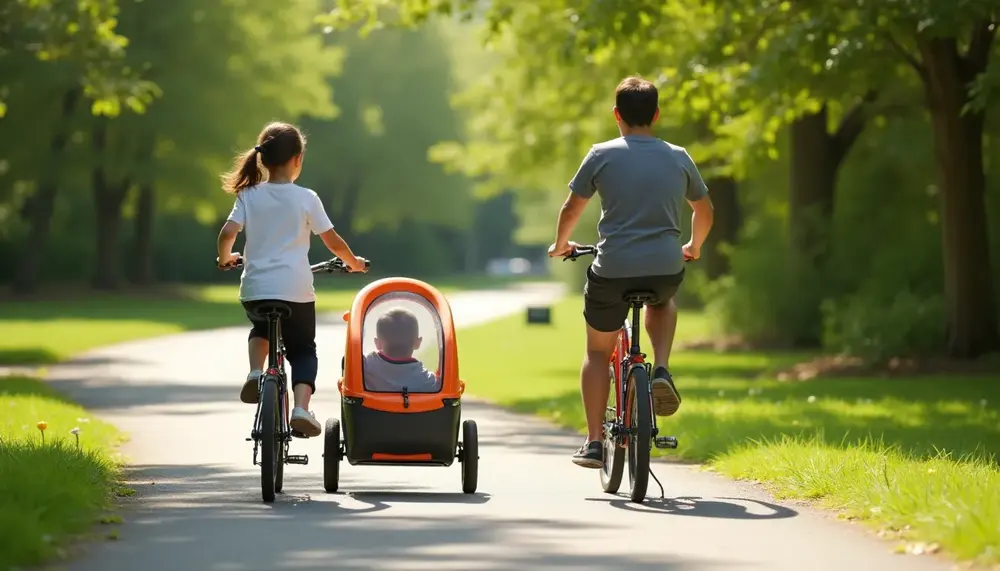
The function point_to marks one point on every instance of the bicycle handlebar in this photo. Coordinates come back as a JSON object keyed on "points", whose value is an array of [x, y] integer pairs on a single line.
{"points": [[334, 264], [582, 250], [579, 251]]}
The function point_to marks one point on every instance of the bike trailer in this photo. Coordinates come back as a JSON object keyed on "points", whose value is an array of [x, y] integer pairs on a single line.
{"points": [[400, 387]]}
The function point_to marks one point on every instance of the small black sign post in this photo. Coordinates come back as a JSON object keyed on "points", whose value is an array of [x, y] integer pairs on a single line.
{"points": [[539, 315]]}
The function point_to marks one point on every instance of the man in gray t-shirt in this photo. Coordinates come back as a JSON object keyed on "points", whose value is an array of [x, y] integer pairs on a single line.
{"points": [[642, 183]]}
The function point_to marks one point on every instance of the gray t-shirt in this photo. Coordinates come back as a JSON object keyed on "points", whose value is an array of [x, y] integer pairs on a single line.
{"points": [[643, 183], [390, 375]]}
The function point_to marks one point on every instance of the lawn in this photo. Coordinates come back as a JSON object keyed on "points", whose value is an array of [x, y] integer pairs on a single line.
{"points": [[50, 328], [50, 490], [909, 454]]}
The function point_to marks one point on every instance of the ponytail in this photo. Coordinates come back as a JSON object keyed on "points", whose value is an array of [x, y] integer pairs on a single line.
{"points": [[246, 172]]}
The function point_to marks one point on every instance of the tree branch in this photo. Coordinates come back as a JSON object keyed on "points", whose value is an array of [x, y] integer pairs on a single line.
{"points": [[853, 124], [906, 55], [978, 55]]}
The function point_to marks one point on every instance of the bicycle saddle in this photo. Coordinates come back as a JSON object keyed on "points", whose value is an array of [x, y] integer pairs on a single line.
{"points": [[640, 296], [277, 308]]}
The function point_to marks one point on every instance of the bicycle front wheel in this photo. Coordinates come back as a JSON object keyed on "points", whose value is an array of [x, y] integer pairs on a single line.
{"points": [[640, 435], [268, 439]]}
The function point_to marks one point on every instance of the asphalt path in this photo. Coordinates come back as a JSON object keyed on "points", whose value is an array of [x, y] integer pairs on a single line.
{"points": [[198, 504]]}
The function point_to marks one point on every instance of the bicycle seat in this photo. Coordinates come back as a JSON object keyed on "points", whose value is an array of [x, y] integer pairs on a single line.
{"points": [[640, 296], [277, 308]]}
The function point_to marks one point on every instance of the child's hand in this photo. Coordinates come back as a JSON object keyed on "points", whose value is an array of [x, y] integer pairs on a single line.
{"points": [[227, 260], [356, 265]]}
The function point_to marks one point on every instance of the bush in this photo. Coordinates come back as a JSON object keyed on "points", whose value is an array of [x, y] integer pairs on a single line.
{"points": [[756, 301], [875, 328]]}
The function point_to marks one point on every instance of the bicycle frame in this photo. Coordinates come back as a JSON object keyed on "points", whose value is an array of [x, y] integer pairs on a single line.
{"points": [[627, 354], [275, 373]]}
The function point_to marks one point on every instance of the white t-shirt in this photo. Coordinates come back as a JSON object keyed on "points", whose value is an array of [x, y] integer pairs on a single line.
{"points": [[277, 220]]}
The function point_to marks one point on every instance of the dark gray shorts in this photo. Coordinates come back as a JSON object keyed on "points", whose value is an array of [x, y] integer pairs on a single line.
{"points": [[604, 306]]}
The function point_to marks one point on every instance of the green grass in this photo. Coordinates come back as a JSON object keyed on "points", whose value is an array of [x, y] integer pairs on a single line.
{"points": [[50, 491], [916, 449], [48, 329]]}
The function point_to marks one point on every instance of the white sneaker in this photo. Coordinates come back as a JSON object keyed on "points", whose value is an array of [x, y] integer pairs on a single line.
{"points": [[250, 393], [305, 422]]}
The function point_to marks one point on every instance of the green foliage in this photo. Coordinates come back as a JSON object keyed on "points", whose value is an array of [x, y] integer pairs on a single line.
{"points": [[41, 506], [869, 327], [76, 37], [393, 95]]}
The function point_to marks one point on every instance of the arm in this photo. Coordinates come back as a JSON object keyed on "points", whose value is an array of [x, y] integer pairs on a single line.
{"points": [[320, 225], [581, 188], [704, 213], [701, 223], [225, 242], [569, 215], [227, 235], [338, 246]]}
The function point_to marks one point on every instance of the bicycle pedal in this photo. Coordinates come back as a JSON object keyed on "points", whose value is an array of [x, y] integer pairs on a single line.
{"points": [[302, 459], [666, 442], [297, 434]]}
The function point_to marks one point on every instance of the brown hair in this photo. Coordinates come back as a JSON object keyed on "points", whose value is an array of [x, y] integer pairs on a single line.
{"points": [[277, 144], [398, 331], [636, 100]]}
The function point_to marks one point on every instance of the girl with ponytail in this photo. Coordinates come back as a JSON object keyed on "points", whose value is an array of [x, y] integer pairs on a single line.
{"points": [[278, 217]]}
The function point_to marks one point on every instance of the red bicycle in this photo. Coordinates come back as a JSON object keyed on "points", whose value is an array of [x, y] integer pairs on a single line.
{"points": [[629, 420]]}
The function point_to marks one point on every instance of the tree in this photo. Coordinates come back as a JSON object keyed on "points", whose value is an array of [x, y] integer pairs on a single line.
{"points": [[532, 119], [81, 35], [393, 100], [949, 46], [200, 56]]}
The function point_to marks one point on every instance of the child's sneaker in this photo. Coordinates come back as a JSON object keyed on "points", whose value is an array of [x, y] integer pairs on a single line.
{"points": [[305, 422], [250, 393]]}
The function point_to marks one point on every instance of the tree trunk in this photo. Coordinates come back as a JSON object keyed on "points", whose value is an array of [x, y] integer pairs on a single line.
{"points": [[958, 145], [816, 158], [813, 182], [726, 229], [40, 207], [108, 199], [145, 218]]}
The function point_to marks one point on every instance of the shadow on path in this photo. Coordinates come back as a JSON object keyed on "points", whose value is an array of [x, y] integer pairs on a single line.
{"points": [[702, 507]]}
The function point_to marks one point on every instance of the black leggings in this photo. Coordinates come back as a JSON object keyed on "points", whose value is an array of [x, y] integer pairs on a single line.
{"points": [[298, 331]]}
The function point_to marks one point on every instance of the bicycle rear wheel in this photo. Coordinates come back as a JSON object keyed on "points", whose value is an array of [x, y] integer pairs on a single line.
{"points": [[613, 461], [282, 445], [640, 432], [268, 439]]}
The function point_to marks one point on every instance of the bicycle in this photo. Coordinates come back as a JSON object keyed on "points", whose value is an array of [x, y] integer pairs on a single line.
{"points": [[629, 428], [271, 432]]}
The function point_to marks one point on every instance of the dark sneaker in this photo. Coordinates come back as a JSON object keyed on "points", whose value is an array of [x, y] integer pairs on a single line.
{"points": [[250, 393], [666, 399], [590, 455]]}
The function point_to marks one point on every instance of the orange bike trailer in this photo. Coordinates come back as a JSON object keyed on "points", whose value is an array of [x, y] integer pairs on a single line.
{"points": [[401, 395]]}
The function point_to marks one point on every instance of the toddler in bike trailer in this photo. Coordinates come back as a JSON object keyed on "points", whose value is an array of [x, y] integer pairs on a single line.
{"points": [[392, 367], [278, 216]]}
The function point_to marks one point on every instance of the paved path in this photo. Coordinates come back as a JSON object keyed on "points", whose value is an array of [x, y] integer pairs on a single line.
{"points": [[198, 505]]}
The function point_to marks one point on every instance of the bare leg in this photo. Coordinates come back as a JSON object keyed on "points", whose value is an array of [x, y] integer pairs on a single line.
{"points": [[257, 355], [302, 393], [595, 379], [257, 348], [661, 325]]}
